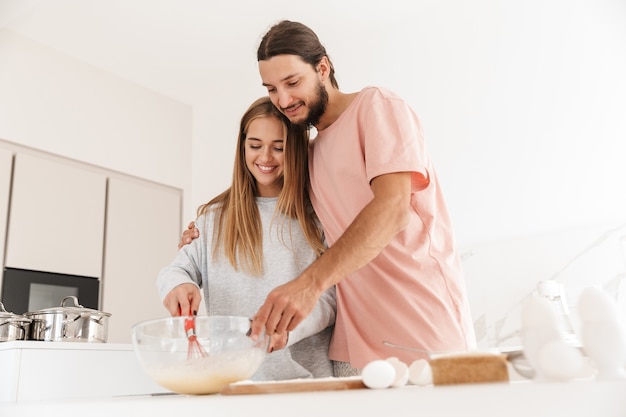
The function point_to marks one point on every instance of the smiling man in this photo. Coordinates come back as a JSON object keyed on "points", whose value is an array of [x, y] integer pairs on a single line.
{"points": [[392, 253]]}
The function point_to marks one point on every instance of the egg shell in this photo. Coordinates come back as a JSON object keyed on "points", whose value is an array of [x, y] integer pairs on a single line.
{"points": [[420, 373], [378, 374], [402, 372]]}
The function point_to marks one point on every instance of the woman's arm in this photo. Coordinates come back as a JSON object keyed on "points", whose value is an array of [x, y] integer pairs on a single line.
{"points": [[179, 283]]}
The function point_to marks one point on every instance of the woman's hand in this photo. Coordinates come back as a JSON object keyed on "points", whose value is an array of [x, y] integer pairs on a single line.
{"points": [[183, 300]]}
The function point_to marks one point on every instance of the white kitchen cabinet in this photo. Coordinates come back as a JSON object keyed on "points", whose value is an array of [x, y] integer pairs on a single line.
{"points": [[56, 221], [6, 165], [69, 217], [143, 229]]}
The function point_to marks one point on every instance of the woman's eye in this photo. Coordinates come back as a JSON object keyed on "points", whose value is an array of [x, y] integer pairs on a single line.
{"points": [[278, 149], [255, 147]]}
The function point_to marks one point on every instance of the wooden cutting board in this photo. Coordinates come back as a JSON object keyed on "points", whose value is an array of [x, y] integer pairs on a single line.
{"points": [[299, 385]]}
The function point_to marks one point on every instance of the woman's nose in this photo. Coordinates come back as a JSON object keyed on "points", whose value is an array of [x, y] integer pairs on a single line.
{"points": [[266, 154]]}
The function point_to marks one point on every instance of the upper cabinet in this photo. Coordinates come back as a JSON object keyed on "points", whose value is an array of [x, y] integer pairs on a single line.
{"points": [[56, 217]]}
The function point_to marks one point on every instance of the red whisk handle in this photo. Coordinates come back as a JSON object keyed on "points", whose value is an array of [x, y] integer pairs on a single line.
{"points": [[190, 325], [190, 328]]}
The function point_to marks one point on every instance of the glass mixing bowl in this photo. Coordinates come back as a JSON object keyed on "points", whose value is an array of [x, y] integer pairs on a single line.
{"points": [[227, 354]]}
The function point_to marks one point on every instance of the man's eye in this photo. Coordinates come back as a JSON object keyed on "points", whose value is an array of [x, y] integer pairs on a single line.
{"points": [[293, 84], [271, 90]]}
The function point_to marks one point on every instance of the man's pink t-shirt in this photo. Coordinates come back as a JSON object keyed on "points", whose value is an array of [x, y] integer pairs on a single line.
{"points": [[413, 292]]}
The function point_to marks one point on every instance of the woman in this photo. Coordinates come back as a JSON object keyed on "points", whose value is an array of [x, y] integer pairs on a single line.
{"points": [[259, 233]]}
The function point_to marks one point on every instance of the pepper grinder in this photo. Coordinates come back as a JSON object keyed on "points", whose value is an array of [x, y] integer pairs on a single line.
{"points": [[602, 333]]}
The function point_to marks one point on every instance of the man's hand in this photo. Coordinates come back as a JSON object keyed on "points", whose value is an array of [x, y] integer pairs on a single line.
{"points": [[183, 300], [285, 307], [188, 235], [278, 341]]}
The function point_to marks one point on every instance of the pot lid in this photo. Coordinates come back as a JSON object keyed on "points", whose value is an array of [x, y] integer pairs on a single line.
{"points": [[4, 314], [76, 309]]}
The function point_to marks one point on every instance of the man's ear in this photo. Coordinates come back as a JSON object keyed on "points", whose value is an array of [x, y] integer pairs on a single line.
{"points": [[323, 68]]}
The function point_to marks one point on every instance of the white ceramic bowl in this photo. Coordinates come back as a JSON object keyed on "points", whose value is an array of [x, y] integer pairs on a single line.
{"points": [[162, 347]]}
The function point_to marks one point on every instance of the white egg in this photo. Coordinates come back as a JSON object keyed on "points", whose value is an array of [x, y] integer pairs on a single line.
{"points": [[378, 374], [401, 371], [420, 373]]}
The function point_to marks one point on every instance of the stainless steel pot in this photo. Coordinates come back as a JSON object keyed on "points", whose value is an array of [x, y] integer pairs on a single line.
{"points": [[69, 324], [13, 326]]}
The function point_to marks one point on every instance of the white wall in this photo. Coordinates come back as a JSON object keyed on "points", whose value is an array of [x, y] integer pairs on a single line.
{"points": [[54, 103]]}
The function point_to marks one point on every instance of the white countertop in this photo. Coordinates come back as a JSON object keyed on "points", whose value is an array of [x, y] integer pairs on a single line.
{"points": [[38, 344], [582, 398], [115, 370], [42, 371]]}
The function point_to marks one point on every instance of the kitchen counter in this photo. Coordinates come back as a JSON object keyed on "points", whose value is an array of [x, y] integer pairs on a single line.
{"points": [[37, 370], [582, 398], [39, 345]]}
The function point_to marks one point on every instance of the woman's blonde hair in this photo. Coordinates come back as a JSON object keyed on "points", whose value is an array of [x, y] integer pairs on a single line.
{"points": [[237, 227]]}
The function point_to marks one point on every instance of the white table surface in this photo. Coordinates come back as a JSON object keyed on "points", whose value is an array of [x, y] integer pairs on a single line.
{"points": [[38, 344], [37, 370], [584, 398]]}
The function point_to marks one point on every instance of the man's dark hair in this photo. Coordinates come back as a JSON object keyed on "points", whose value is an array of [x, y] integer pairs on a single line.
{"points": [[293, 38]]}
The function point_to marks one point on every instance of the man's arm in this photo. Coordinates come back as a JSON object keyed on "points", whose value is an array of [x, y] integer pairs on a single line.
{"points": [[375, 226]]}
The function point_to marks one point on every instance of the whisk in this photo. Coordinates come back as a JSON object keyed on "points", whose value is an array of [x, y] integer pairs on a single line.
{"points": [[194, 349]]}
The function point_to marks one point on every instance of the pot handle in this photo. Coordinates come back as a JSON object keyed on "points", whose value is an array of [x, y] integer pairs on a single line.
{"points": [[73, 298], [75, 301]]}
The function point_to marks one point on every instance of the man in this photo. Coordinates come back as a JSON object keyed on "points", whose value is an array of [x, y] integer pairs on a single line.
{"points": [[391, 249]]}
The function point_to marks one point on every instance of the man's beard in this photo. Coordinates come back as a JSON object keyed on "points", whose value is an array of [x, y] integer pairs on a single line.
{"points": [[317, 109]]}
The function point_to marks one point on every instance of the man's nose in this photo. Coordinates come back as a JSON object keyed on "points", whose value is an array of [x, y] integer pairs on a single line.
{"points": [[284, 99]]}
